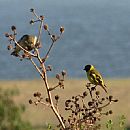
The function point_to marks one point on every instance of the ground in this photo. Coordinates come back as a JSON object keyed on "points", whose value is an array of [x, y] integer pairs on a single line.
{"points": [[42, 115]]}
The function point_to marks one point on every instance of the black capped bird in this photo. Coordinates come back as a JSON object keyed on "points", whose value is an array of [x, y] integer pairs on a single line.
{"points": [[94, 76], [28, 42]]}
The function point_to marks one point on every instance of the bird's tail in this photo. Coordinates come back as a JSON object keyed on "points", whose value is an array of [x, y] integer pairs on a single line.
{"points": [[104, 87]]}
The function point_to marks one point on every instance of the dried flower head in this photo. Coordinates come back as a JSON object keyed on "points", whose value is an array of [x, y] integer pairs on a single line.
{"points": [[6, 34], [31, 21], [97, 93], [47, 99], [30, 101], [45, 26], [57, 97], [9, 47], [63, 72], [32, 10], [58, 76], [42, 17], [13, 28], [62, 29]]}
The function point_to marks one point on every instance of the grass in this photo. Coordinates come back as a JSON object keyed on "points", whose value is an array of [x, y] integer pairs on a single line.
{"points": [[41, 115]]}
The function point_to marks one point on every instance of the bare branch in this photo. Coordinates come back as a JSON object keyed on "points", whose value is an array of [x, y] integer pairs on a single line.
{"points": [[36, 67]]}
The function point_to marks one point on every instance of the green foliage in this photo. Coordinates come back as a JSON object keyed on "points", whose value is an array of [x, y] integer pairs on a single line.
{"points": [[10, 113], [120, 124], [109, 125], [49, 127]]}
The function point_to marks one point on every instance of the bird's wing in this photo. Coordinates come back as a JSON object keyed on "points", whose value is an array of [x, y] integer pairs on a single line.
{"points": [[96, 77]]}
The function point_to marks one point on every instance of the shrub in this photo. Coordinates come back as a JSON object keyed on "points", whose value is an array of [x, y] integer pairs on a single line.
{"points": [[10, 113]]}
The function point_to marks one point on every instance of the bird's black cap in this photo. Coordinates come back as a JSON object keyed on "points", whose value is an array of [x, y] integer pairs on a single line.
{"points": [[87, 67]]}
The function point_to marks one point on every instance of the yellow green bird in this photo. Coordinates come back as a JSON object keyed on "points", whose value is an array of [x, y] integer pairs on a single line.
{"points": [[94, 76], [28, 42]]}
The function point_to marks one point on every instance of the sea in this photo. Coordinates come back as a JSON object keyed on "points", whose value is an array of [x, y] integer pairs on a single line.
{"points": [[97, 32]]}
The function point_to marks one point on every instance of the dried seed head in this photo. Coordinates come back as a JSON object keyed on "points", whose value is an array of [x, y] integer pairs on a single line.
{"points": [[9, 47], [76, 113], [45, 26], [41, 17], [62, 29], [85, 94], [38, 94], [31, 22], [100, 109], [63, 72], [110, 112], [93, 88], [47, 99], [49, 68], [115, 100], [71, 106], [77, 105], [66, 104], [54, 37], [73, 97], [106, 113], [32, 10], [35, 94], [110, 98], [103, 99], [76, 99], [90, 113], [97, 93], [94, 111], [30, 101], [68, 100], [58, 76], [13, 28], [61, 83], [66, 109], [57, 97], [90, 103], [6, 34]]}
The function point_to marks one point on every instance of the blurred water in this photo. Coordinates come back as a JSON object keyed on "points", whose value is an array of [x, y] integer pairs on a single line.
{"points": [[96, 32]]}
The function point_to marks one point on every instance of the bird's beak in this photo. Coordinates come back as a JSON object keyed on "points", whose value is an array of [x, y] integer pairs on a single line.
{"points": [[84, 69]]}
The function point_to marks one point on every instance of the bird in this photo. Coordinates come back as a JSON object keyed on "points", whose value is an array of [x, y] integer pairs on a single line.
{"points": [[94, 76], [28, 42]]}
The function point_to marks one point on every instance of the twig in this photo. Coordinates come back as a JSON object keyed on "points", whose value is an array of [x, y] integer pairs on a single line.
{"points": [[36, 67], [40, 30], [43, 103], [46, 56], [50, 89], [104, 105]]}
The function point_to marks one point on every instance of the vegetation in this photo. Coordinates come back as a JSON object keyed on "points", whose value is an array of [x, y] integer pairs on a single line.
{"points": [[84, 110], [10, 113]]}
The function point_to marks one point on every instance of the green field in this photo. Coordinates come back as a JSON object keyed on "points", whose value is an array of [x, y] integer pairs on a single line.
{"points": [[41, 115]]}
